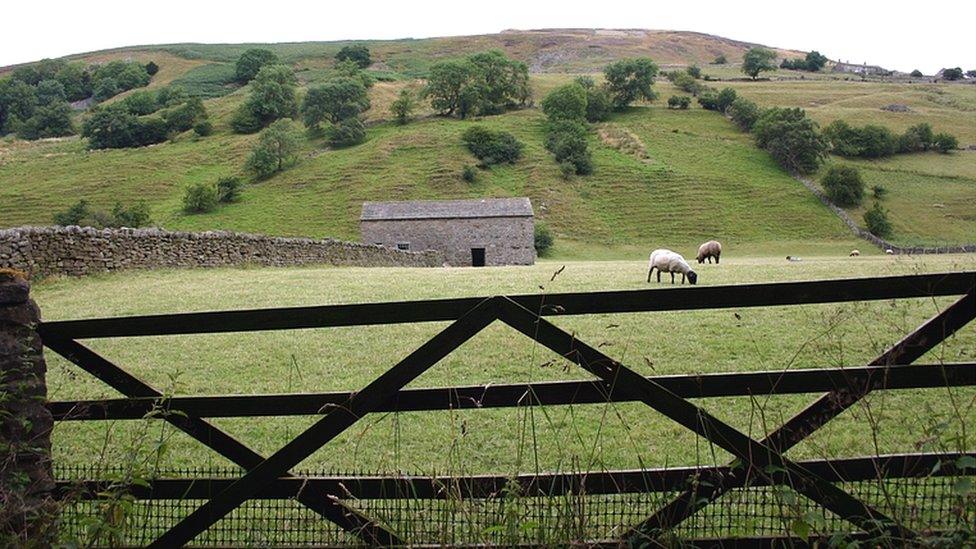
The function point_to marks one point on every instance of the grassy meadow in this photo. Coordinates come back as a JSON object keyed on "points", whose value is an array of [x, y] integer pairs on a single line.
{"points": [[522, 439]]}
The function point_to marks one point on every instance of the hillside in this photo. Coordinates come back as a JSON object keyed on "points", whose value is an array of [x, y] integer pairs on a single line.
{"points": [[702, 178]]}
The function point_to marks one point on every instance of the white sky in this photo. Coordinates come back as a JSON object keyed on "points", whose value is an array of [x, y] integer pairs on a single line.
{"points": [[895, 34]]}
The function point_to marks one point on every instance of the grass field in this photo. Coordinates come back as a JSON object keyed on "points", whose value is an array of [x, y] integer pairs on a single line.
{"points": [[582, 436]]}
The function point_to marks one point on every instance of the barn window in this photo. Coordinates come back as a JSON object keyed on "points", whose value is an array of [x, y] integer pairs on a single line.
{"points": [[403, 245]]}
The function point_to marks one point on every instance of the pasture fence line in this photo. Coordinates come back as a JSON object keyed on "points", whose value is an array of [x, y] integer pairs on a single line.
{"points": [[875, 239], [265, 500]]}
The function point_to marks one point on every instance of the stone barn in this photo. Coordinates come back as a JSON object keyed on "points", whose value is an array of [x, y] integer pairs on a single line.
{"points": [[480, 232]]}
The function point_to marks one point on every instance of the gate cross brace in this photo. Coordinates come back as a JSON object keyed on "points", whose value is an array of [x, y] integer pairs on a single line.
{"points": [[756, 455], [830, 405], [217, 440]]}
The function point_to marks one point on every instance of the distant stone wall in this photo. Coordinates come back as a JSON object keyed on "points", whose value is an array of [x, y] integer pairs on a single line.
{"points": [[75, 251], [877, 241]]}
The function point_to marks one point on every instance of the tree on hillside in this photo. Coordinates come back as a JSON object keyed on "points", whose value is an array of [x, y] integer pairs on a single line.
{"points": [[630, 80], [358, 54], [758, 60], [503, 82], [720, 59], [449, 87], [49, 91], [402, 108], [152, 68], [743, 113], [791, 138], [815, 61], [565, 102], [844, 186], [952, 74], [272, 97], [17, 102], [251, 61], [52, 119], [277, 147], [349, 69], [336, 100], [76, 81], [916, 73]]}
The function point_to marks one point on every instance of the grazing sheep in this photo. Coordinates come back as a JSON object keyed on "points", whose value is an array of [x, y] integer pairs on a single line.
{"points": [[793, 258], [889, 251], [855, 253], [670, 262], [708, 250]]}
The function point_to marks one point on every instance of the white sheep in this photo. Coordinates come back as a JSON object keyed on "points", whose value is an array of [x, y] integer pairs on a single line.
{"points": [[708, 250], [670, 262], [855, 253]]}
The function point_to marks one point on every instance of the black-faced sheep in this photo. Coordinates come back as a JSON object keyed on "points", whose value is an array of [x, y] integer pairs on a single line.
{"points": [[708, 250], [670, 262], [855, 253]]}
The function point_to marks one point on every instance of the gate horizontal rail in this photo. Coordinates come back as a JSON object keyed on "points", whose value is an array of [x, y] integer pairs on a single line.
{"points": [[472, 397], [531, 485], [557, 304]]}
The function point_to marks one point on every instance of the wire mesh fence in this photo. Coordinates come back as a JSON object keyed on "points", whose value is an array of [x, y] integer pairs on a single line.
{"points": [[926, 504]]}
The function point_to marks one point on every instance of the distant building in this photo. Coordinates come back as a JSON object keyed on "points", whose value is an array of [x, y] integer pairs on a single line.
{"points": [[489, 231], [865, 70]]}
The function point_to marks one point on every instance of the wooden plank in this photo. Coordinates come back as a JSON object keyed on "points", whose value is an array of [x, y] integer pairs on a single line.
{"points": [[522, 394], [336, 420], [626, 301], [212, 437], [910, 348], [757, 455], [626, 481]]}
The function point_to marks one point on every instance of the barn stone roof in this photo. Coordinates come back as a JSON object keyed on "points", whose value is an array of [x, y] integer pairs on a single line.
{"points": [[447, 209]]}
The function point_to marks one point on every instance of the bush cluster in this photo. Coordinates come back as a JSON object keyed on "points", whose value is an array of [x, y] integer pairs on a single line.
{"points": [[877, 222], [204, 197], [492, 147], [679, 102], [116, 127], [873, 141], [340, 102], [813, 62], [791, 138], [711, 99], [844, 186], [567, 110], [34, 99], [272, 97], [543, 239], [83, 214]]}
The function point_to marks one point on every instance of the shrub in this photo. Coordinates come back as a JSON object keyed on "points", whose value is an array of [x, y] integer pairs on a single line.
{"points": [[358, 54], [791, 138], [724, 99], [350, 131], [917, 73], [229, 189], [402, 108], [141, 103], [567, 169], [469, 173], [694, 71], [630, 80], [492, 147], [251, 61], [679, 102], [487, 82], [51, 120], [152, 68], [708, 99], [106, 88], [49, 91], [744, 113], [565, 102], [114, 128], [720, 60], [184, 117], [566, 140], [916, 138], [543, 240], [879, 191], [199, 198], [686, 83], [843, 185], [81, 213], [877, 222], [203, 128], [945, 142]]}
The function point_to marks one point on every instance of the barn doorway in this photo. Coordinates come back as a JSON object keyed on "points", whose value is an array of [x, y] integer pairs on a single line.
{"points": [[477, 257]]}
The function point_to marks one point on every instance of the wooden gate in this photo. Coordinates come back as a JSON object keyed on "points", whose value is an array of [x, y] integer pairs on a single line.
{"points": [[757, 462]]}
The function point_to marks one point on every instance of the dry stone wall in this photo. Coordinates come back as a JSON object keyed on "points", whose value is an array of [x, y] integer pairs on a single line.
{"points": [[75, 251]]}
